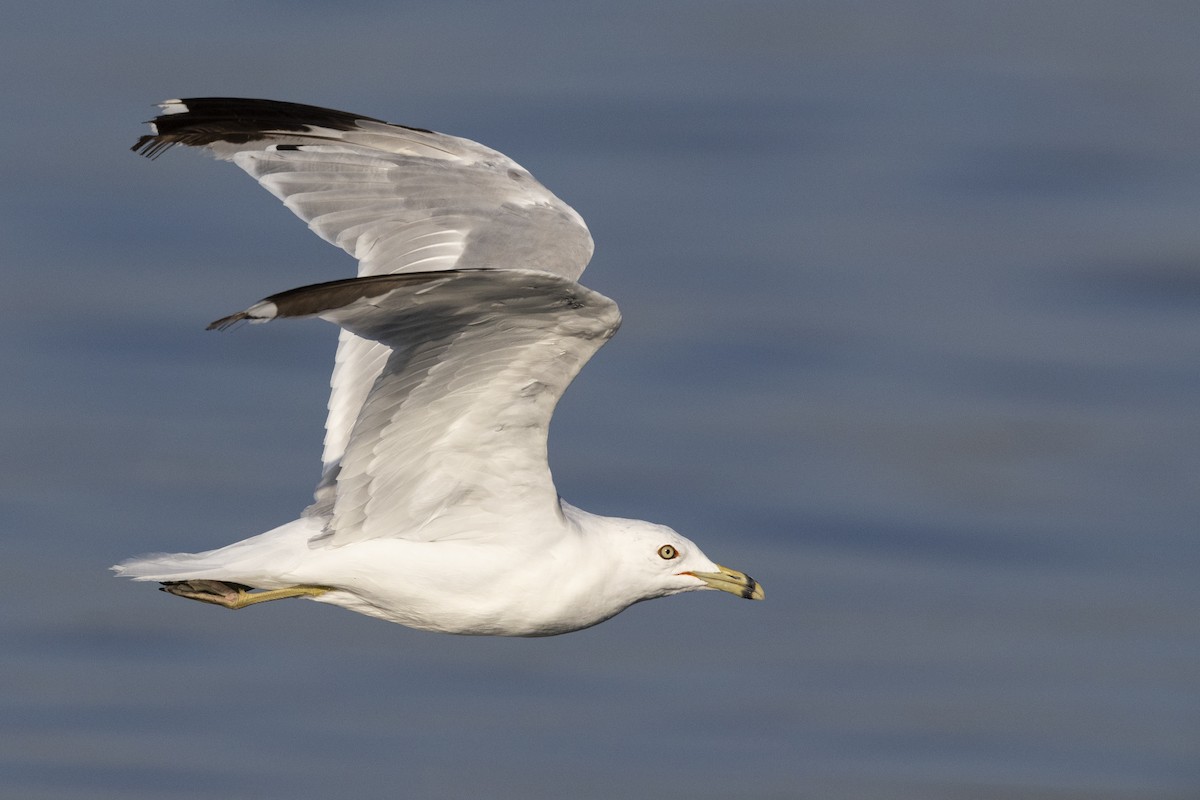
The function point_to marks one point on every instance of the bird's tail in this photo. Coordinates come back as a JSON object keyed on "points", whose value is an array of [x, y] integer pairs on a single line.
{"points": [[171, 566], [259, 561]]}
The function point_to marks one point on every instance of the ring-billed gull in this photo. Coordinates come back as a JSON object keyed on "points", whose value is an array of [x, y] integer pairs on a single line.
{"points": [[435, 508]]}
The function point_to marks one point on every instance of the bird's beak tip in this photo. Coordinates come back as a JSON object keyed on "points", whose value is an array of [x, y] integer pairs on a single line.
{"points": [[732, 581]]}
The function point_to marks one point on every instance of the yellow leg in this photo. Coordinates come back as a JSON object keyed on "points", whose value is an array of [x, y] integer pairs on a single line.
{"points": [[235, 595]]}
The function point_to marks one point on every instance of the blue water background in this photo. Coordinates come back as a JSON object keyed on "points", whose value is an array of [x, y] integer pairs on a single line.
{"points": [[912, 335]]}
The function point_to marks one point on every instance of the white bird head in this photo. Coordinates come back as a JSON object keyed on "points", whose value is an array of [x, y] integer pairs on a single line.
{"points": [[665, 563]]}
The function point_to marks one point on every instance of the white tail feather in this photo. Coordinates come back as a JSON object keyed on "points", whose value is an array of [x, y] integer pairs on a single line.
{"points": [[252, 561]]}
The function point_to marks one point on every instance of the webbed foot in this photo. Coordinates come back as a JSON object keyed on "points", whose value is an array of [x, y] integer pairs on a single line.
{"points": [[234, 595]]}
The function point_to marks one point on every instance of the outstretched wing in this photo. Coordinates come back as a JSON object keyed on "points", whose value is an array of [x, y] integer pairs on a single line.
{"points": [[398, 199], [452, 435]]}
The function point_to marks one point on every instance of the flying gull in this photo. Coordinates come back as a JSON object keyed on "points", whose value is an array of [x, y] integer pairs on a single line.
{"points": [[435, 508]]}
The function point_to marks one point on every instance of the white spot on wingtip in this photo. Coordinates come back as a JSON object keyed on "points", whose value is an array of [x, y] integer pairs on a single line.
{"points": [[262, 312], [173, 107]]}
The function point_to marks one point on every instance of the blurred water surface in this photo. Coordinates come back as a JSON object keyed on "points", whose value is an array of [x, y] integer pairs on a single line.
{"points": [[911, 295]]}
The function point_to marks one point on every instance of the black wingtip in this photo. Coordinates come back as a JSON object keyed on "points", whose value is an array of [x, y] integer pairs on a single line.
{"points": [[227, 322], [151, 146], [199, 121]]}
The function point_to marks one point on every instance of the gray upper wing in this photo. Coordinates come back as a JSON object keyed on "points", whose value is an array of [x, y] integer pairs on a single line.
{"points": [[453, 431], [397, 198]]}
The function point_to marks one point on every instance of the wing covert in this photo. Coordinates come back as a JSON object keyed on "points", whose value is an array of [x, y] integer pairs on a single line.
{"points": [[397, 198], [457, 421]]}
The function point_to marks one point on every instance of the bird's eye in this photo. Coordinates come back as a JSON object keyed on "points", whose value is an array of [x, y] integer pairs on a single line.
{"points": [[668, 552]]}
